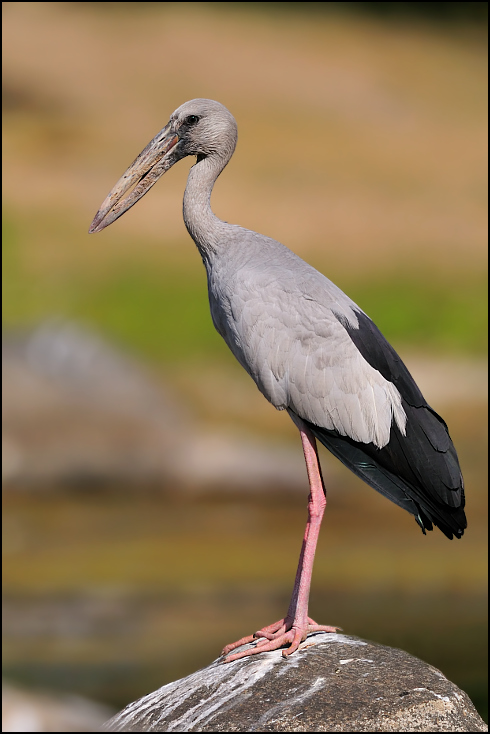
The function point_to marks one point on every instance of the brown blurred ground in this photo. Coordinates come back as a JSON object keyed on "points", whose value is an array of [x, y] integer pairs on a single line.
{"points": [[361, 146]]}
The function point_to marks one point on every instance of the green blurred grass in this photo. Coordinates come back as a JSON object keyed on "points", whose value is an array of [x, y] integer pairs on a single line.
{"points": [[386, 193], [161, 309]]}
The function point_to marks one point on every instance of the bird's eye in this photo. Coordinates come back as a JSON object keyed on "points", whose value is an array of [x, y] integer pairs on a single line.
{"points": [[192, 119]]}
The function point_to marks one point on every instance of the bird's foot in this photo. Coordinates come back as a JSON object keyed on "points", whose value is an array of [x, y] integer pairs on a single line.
{"points": [[283, 632]]}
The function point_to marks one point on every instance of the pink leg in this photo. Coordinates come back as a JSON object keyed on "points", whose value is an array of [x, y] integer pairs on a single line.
{"points": [[294, 628]]}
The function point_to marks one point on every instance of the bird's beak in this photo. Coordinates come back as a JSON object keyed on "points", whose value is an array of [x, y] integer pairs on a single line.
{"points": [[158, 156]]}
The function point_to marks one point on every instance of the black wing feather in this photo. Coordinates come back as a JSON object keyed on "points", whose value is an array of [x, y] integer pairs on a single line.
{"points": [[418, 471]]}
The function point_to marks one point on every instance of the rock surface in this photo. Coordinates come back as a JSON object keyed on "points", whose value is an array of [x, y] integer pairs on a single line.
{"points": [[333, 683], [24, 710], [77, 410]]}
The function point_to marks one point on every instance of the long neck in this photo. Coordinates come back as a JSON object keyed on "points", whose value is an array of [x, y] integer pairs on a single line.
{"points": [[203, 226]]}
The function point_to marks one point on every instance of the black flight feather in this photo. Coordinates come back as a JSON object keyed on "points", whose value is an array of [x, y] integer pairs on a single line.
{"points": [[418, 471]]}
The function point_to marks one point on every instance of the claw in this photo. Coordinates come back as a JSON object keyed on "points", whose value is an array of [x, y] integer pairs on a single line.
{"points": [[238, 643], [275, 636]]}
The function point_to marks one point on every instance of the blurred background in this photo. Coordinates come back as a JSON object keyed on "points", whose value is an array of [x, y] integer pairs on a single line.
{"points": [[154, 502]]}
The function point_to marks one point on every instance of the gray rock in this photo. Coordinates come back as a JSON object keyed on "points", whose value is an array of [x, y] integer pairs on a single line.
{"points": [[25, 710], [332, 683], [77, 410]]}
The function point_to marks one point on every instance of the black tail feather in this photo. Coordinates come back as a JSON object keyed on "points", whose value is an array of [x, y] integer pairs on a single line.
{"points": [[410, 471]]}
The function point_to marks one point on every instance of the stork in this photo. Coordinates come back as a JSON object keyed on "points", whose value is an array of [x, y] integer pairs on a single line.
{"points": [[310, 350]]}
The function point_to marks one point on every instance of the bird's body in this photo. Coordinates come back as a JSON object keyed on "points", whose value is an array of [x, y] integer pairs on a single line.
{"points": [[309, 348], [305, 360], [301, 358]]}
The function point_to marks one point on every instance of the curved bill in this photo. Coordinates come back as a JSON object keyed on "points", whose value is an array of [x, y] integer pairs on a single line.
{"points": [[159, 155]]}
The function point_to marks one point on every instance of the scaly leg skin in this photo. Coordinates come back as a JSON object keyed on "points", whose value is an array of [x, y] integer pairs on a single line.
{"points": [[296, 625]]}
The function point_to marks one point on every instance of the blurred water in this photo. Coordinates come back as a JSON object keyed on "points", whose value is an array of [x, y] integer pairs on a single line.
{"points": [[112, 594]]}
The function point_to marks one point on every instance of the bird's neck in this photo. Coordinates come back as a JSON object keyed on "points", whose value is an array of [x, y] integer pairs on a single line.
{"points": [[202, 224]]}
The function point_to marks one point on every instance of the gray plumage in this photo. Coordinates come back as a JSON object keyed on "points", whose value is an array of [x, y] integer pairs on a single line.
{"points": [[300, 357], [309, 348]]}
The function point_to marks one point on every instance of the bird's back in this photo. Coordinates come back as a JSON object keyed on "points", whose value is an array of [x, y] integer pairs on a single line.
{"points": [[311, 350]]}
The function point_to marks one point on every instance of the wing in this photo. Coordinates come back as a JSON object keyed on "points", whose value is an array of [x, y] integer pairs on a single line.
{"points": [[293, 342], [312, 351], [418, 467]]}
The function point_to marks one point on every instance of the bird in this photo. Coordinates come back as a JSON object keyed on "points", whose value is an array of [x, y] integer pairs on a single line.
{"points": [[310, 350]]}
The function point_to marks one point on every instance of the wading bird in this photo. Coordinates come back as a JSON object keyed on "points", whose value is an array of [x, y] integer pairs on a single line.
{"points": [[310, 350]]}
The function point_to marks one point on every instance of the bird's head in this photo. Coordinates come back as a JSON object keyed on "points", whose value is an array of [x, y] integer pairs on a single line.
{"points": [[201, 127], [204, 127]]}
